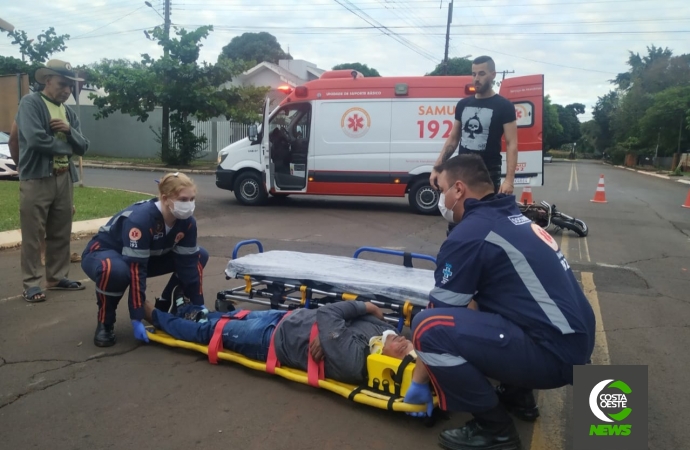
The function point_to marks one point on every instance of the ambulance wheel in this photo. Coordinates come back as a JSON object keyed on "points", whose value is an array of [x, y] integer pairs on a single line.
{"points": [[423, 198], [250, 190]]}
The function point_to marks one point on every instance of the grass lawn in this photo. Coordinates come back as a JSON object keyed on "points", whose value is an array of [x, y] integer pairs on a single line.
{"points": [[91, 203]]}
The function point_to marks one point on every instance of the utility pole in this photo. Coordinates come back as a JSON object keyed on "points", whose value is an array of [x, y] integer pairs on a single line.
{"points": [[165, 138], [504, 72], [450, 19]]}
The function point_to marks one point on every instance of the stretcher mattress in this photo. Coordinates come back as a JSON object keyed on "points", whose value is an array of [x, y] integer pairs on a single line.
{"points": [[351, 275], [355, 393]]}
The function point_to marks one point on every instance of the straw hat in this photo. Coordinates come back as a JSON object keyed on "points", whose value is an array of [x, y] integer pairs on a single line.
{"points": [[56, 67]]}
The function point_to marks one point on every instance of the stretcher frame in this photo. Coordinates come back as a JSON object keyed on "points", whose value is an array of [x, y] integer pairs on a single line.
{"points": [[388, 378], [279, 294]]}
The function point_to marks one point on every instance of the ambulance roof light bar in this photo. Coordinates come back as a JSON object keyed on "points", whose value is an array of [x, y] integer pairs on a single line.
{"points": [[285, 89]]}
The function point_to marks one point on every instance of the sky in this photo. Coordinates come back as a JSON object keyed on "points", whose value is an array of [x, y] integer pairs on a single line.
{"points": [[578, 45]]}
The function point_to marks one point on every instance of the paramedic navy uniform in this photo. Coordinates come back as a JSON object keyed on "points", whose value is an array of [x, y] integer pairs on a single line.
{"points": [[533, 324], [134, 245]]}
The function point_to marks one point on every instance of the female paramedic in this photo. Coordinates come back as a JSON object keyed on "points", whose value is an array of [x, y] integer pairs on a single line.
{"points": [[147, 239]]}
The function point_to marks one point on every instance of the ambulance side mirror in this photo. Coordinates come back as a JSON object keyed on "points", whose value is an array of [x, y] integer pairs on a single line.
{"points": [[253, 133]]}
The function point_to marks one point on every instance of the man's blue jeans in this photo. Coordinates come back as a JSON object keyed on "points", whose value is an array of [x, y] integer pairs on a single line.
{"points": [[250, 336]]}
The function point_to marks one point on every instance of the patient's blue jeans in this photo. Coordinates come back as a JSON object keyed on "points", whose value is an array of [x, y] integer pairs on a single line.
{"points": [[250, 336]]}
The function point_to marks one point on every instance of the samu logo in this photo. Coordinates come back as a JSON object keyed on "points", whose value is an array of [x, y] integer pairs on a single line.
{"points": [[447, 273], [615, 401]]}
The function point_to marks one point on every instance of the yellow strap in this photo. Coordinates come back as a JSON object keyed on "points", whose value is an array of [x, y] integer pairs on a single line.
{"points": [[349, 296], [248, 287], [407, 313], [303, 290]]}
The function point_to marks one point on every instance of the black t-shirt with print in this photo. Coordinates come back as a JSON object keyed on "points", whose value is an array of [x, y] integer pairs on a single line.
{"points": [[482, 122]]}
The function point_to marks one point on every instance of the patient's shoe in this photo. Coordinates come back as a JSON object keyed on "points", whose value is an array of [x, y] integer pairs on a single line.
{"points": [[163, 304], [475, 436], [105, 335]]}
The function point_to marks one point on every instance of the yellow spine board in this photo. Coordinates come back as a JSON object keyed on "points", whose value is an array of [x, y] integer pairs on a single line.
{"points": [[366, 397]]}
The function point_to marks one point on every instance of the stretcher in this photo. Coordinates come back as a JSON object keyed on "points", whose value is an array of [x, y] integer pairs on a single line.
{"points": [[291, 280]]}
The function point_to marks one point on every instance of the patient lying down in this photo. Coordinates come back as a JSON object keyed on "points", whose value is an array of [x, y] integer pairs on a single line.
{"points": [[348, 332]]}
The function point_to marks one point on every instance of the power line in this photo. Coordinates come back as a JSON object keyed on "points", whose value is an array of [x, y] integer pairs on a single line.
{"points": [[107, 24]]}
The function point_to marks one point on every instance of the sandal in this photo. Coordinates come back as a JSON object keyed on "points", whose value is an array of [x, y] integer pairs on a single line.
{"points": [[67, 285], [34, 295]]}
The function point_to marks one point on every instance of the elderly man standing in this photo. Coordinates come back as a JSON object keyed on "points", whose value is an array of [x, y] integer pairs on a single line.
{"points": [[49, 134]]}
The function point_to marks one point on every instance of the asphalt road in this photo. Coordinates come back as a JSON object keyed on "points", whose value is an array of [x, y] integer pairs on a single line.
{"points": [[58, 391]]}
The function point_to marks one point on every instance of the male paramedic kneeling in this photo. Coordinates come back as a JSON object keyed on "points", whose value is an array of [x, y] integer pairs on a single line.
{"points": [[147, 239], [532, 324]]}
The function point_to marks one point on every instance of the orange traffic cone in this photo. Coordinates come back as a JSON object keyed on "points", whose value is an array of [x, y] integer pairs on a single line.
{"points": [[526, 197], [687, 201], [600, 194]]}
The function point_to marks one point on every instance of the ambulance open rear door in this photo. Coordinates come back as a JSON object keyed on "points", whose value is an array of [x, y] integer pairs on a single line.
{"points": [[266, 149]]}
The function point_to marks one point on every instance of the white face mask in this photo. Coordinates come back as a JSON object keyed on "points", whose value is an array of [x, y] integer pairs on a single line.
{"points": [[445, 212], [182, 210]]}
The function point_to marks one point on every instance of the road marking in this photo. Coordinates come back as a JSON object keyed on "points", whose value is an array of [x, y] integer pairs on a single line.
{"points": [[573, 177], [565, 242], [586, 249], [548, 432], [600, 356]]}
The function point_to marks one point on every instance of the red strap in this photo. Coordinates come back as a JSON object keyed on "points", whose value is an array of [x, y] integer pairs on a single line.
{"points": [[272, 360], [216, 343], [315, 371]]}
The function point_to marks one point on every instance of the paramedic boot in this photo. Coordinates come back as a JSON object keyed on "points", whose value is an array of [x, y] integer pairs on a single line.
{"points": [[105, 335], [491, 430], [518, 401]]}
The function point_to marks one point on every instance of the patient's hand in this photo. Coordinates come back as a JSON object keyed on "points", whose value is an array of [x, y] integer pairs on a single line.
{"points": [[374, 310], [315, 349]]}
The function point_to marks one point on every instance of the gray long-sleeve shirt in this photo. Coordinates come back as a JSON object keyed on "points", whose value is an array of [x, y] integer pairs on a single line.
{"points": [[344, 332], [37, 142]]}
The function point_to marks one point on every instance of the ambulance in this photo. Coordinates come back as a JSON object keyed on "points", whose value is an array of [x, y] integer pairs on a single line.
{"points": [[349, 135]]}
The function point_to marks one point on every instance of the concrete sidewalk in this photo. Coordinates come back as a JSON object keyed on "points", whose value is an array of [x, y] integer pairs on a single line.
{"points": [[13, 238], [681, 179]]}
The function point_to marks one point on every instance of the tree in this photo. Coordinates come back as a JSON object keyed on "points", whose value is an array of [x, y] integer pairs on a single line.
{"points": [[10, 65], [665, 120], [254, 48], [189, 89], [359, 67], [567, 117], [603, 113], [588, 137], [552, 128], [39, 50], [456, 66]]}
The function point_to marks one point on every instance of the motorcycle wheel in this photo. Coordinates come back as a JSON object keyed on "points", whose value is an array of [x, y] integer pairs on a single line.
{"points": [[575, 225]]}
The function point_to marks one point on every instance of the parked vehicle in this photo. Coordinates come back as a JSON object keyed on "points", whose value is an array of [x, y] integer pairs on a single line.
{"points": [[345, 134], [8, 170]]}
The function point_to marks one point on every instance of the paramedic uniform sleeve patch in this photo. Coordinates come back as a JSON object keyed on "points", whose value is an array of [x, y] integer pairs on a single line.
{"points": [[457, 273]]}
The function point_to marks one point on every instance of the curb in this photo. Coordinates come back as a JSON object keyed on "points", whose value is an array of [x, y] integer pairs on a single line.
{"points": [[13, 238], [148, 168], [665, 177]]}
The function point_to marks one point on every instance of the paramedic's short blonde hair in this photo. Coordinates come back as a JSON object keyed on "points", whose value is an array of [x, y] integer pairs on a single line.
{"points": [[172, 183]]}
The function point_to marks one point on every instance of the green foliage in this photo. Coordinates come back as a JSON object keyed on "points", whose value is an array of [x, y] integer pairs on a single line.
{"points": [[456, 66], [10, 65], [39, 50], [254, 48], [178, 80], [552, 127], [650, 105], [359, 67]]}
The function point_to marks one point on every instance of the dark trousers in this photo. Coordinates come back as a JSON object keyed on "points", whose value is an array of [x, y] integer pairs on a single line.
{"points": [[112, 275], [462, 348], [250, 336]]}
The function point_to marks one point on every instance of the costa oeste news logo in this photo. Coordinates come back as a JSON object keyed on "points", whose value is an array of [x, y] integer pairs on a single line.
{"points": [[610, 407]]}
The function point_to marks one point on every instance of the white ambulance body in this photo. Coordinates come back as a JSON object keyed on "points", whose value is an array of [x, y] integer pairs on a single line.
{"points": [[361, 136]]}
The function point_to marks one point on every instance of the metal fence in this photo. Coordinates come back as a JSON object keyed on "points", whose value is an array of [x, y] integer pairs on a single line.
{"points": [[219, 133]]}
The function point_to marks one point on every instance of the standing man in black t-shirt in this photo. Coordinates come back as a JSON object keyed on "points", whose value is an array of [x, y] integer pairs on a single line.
{"points": [[480, 122]]}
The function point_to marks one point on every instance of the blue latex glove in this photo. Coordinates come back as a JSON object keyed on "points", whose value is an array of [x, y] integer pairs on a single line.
{"points": [[139, 331], [419, 394]]}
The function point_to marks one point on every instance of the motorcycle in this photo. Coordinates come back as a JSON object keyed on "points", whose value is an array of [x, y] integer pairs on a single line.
{"points": [[545, 215]]}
